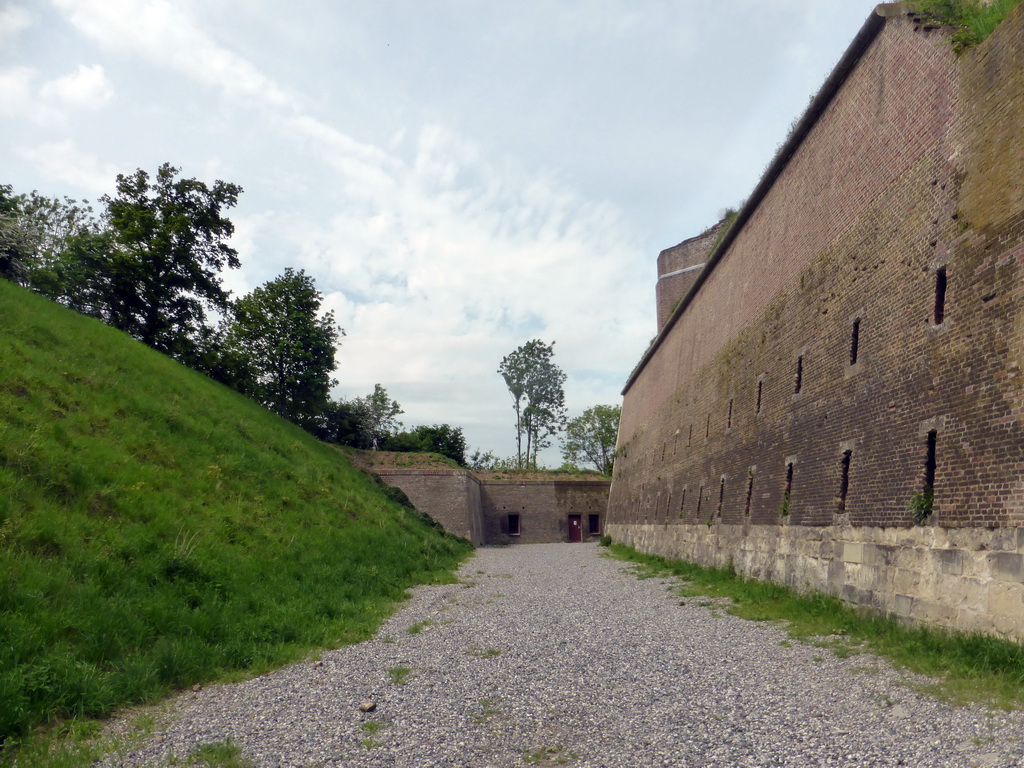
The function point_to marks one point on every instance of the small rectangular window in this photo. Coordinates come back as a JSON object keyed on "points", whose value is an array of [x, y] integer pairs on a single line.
{"points": [[855, 342], [594, 524], [940, 296], [513, 525], [844, 480], [799, 375]]}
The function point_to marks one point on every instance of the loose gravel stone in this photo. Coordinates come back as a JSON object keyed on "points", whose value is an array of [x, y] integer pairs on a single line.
{"points": [[553, 654]]}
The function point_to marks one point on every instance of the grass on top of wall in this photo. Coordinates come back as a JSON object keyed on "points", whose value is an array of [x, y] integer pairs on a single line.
{"points": [[158, 530], [976, 20], [966, 667]]}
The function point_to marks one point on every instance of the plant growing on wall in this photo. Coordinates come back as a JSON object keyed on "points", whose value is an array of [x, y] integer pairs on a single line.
{"points": [[920, 505], [976, 19]]}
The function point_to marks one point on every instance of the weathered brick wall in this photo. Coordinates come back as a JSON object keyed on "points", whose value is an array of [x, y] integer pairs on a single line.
{"points": [[902, 176], [678, 268], [451, 497], [543, 508], [477, 507]]}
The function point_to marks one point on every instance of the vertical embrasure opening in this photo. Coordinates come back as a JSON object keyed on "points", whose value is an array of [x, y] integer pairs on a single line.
{"points": [[721, 495], [799, 375], [855, 342], [682, 502], [750, 493], [787, 491], [929, 464], [760, 384], [940, 296], [728, 421], [844, 480], [700, 498], [707, 427], [689, 438]]}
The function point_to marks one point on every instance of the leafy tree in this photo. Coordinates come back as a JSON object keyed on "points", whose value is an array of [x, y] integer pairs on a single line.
{"points": [[590, 438], [340, 423], [71, 248], [439, 438], [288, 347], [16, 242], [168, 245], [378, 416], [538, 396]]}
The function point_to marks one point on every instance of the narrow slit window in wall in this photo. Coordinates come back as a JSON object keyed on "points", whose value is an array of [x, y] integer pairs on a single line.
{"points": [[513, 525], [721, 495], [750, 493], [689, 438], [728, 421], [700, 498], [682, 502], [940, 296], [855, 342], [787, 491], [799, 375], [844, 480], [760, 385], [707, 427], [929, 465]]}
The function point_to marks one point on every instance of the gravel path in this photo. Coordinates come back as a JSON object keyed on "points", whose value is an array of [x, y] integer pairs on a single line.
{"points": [[552, 654]]}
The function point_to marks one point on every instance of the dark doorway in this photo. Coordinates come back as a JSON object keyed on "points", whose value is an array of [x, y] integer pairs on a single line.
{"points": [[575, 528], [595, 525]]}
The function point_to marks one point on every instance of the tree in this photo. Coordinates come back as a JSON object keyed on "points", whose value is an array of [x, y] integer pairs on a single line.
{"points": [[168, 245], [378, 416], [16, 242], [288, 346], [538, 397], [439, 438], [590, 438]]}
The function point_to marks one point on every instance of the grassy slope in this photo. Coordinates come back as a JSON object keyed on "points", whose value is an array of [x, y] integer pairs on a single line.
{"points": [[157, 529]]}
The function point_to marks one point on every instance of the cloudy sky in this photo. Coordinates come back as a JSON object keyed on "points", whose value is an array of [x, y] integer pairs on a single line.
{"points": [[459, 176]]}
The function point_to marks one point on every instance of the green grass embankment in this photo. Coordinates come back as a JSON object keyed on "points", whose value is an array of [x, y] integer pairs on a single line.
{"points": [[158, 530]]}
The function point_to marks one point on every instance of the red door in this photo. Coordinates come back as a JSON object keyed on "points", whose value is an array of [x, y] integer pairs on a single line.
{"points": [[575, 528]]}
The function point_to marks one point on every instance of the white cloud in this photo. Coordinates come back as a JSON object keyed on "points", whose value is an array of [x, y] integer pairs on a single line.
{"points": [[49, 103], [87, 87], [64, 161], [13, 20], [166, 34]]}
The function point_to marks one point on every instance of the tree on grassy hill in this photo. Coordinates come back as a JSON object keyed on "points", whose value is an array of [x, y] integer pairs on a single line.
{"points": [[378, 416], [537, 388], [168, 245], [439, 438], [590, 438], [16, 242], [277, 333]]}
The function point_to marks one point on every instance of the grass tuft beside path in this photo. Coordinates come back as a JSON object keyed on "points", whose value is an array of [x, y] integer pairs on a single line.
{"points": [[159, 530], [968, 667]]}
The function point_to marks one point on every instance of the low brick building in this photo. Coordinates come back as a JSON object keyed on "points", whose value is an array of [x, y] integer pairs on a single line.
{"points": [[498, 507], [835, 400]]}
